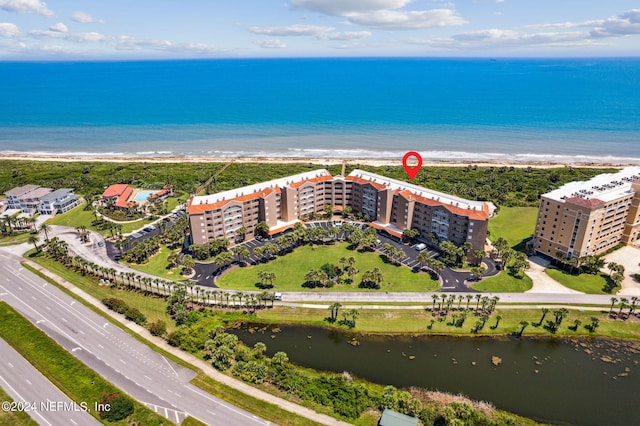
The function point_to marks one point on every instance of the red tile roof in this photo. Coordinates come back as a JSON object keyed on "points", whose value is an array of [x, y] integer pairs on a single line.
{"points": [[361, 181], [201, 208], [115, 190], [123, 198], [591, 202], [471, 214], [312, 180]]}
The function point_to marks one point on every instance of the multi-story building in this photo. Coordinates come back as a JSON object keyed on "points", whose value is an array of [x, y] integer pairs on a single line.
{"points": [[33, 198], [586, 218], [59, 201], [388, 204]]}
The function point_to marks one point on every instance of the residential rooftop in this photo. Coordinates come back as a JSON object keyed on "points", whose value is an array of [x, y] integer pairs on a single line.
{"points": [[418, 191], [598, 190], [259, 187], [59, 193], [21, 190]]}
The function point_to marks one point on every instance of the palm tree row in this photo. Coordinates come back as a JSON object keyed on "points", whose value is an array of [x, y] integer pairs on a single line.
{"points": [[57, 249]]}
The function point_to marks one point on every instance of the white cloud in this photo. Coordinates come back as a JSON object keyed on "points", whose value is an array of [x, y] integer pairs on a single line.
{"points": [[319, 32], [84, 18], [385, 14], [407, 20], [292, 30], [121, 42], [346, 35], [627, 23], [586, 33], [342, 7], [9, 30], [270, 44], [59, 27], [26, 6]]}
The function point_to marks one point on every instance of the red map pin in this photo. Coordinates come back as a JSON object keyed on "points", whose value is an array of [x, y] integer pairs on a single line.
{"points": [[412, 171]]}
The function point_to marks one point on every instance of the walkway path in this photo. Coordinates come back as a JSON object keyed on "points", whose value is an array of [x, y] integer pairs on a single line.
{"points": [[543, 283]]}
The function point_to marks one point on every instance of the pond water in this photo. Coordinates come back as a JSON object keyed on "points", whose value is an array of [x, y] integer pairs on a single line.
{"points": [[560, 381]]}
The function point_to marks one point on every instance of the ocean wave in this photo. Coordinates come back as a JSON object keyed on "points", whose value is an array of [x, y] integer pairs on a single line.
{"points": [[347, 154]]}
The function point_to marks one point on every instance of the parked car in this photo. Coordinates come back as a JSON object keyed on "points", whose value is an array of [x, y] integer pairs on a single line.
{"points": [[420, 246]]}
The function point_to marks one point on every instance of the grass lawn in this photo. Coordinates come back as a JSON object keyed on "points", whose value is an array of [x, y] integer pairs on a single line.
{"points": [[74, 218], [67, 373], [157, 265], [514, 224], [592, 284], [81, 217], [291, 268], [15, 239], [154, 308], [416, 321], [504, 283]]}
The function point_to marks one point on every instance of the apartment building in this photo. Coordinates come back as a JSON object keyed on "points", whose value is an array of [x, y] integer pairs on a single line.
{"points": [[390, 205], [57, 202], [33, 198], [586, 218]]}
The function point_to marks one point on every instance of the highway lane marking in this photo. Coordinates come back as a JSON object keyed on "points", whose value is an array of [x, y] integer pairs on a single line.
{"points": [[29, 382], [63, 319], [165, 360], [105, 325], [100, 346], [177, 418], [71, 420], [231, 408], [39, 314], [34, 298], [147, 377], [53, 297], [122, 361], [10, 365], [23, 399], [211, 412], [75, 349]]}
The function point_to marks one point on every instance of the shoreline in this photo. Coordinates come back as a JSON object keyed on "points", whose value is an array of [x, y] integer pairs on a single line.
{"points": [[305, 160]]}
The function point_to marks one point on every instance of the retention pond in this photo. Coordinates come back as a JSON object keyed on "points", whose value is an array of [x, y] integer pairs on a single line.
{"points": [[559, 381]]}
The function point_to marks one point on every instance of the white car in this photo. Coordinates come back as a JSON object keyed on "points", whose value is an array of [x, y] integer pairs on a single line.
{"points": [[420, 246]]}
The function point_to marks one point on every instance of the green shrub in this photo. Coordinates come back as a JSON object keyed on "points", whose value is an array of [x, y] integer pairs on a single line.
{"points": [[119, 407]]}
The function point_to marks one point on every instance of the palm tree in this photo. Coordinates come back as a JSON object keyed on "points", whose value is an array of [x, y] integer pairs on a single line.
{"points": [[545, 311], [613, 302], [623, 304], [33, 239], [524, 324], [498, 318], [45, 228], [468, 297], [334, 308], [280, 358], [478, 297], [435, 299]]}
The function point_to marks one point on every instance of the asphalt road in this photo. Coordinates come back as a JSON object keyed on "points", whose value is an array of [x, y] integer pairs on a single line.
{"points": [[130, 365], [44, 403], [426, 298]]}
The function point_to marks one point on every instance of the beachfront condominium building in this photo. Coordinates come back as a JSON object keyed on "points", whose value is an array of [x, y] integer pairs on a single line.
{"points": [[390, 205], [33, 198], [587, 218]]}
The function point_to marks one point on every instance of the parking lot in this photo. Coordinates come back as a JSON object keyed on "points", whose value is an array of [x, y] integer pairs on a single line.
{"points": [[205, 272]]}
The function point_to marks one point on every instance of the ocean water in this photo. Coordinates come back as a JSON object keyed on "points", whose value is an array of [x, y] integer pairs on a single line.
{"points": [[563, 110]]}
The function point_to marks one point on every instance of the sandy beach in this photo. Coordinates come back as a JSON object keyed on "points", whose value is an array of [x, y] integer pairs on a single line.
{"points": [[301, 160]]}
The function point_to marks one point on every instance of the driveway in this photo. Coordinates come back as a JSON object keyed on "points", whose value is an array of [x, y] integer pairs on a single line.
{"points": [[629, 258], [543, 283]]}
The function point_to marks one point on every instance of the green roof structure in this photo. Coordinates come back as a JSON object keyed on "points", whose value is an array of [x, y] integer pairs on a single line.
{"points": [[393, 418]]}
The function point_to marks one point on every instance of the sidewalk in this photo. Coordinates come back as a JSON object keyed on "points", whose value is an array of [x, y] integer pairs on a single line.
{"points": [[196, 362]]}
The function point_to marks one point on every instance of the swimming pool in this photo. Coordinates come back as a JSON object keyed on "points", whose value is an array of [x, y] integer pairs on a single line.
{"points": [[142, 196]]}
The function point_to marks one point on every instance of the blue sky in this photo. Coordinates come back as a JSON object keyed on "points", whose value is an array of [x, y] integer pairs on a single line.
{"points": [[118, 29]]}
